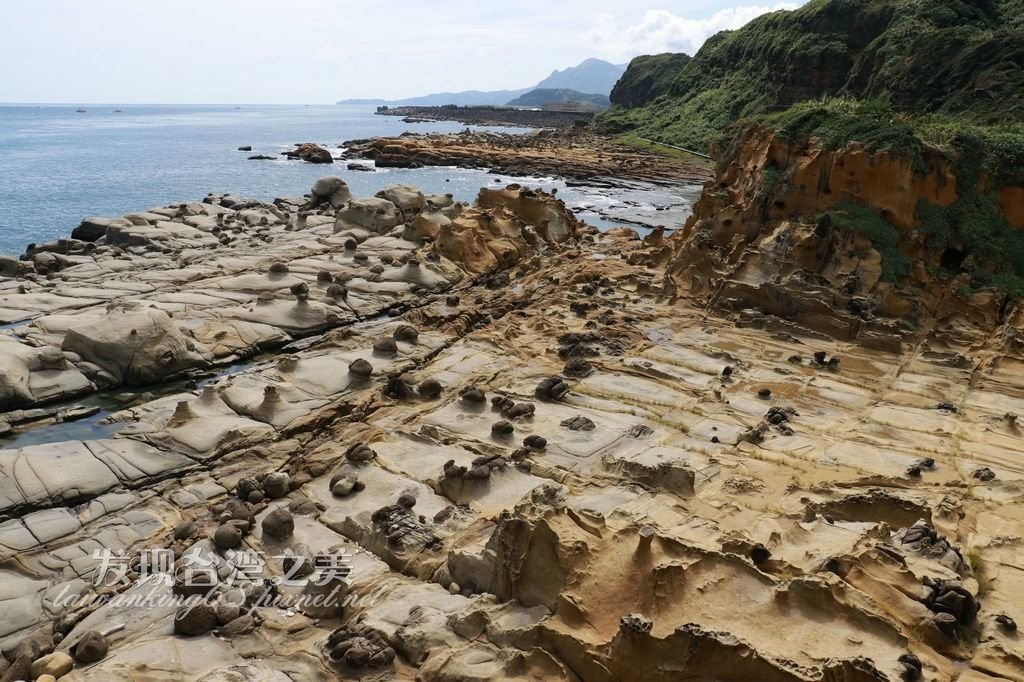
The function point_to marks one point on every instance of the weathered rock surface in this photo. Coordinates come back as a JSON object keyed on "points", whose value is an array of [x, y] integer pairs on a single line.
{"points": [[133, 348], [623, 522], [565, 153], [309, 152]]}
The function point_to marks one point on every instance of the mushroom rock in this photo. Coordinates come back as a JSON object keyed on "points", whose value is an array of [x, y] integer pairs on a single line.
{"points": [[553, 220], [409, 200]]}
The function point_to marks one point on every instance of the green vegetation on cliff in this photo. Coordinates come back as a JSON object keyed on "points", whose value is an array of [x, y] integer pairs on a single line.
{"points": [[647, 77], [952, 57], [883, 236], [972, 234], [997, 150]]}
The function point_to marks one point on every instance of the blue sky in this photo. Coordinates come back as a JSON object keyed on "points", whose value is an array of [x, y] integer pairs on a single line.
{"points": [[318, 51]]}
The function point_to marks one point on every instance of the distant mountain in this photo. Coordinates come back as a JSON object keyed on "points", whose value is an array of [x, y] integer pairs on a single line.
{"points": [[542, 96], [591, 76]]}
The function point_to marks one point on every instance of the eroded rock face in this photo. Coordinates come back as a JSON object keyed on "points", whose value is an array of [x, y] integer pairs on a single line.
{"points": [[772, 233], [509, 224], [33, 376], [311, 153], [332, 190], [374, 214], [134, 347]]}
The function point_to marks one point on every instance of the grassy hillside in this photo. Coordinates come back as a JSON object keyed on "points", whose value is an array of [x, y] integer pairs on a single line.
{"points": [[964, 59], [542, 96], [646, 78]]}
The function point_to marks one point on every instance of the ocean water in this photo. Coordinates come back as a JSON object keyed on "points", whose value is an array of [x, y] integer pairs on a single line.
{"points": [[58, 166]]}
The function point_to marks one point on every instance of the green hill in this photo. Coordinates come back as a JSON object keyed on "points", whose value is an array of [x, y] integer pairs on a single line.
{"points": [[948, 57], [542, 96], [646, 78]]}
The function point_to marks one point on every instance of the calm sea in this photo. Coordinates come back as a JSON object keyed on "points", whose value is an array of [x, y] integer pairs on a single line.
{"points": [[58, 166]]}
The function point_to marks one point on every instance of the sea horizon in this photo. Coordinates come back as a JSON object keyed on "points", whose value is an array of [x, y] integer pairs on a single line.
{"points": [[58, 167]]}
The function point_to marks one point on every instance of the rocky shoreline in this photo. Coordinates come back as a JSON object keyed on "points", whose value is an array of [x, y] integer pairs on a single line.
{"points": [[542, 453], [578, 155], [490, 116]]}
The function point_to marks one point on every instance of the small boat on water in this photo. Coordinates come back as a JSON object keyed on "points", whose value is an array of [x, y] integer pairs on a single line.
{"points": [[117, 111], [79, 110]]}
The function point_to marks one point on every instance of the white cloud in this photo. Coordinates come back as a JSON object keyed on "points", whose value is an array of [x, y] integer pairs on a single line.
{"points": [[662, 31]]}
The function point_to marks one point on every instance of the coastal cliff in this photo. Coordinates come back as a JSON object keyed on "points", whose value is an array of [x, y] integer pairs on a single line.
{"points": [[855, 242]]}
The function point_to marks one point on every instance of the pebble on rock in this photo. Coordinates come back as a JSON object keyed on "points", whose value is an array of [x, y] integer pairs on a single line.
{"points": [[520, 411], [430, 388], [502, 429], [279, 524], [578, 368], [195, 619], [385, 346], [552, 388], [57, 664], [276, 485], [534, 442], [406, 333], [92, 647], [360, 368], [359, 452], [579, 423], [343, 485], [1006, 622], [984, 474], [760, 554], [227, 537], [184, 530], [473, 395]]}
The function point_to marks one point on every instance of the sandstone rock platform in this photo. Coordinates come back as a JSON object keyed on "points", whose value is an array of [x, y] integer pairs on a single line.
{"points": [[539, 465]]}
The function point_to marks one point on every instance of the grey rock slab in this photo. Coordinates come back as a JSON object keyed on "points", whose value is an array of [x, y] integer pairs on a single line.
{"points": [[49, 474]]}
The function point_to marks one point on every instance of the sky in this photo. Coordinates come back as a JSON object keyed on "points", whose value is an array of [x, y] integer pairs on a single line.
{"points": [[320, 51]]}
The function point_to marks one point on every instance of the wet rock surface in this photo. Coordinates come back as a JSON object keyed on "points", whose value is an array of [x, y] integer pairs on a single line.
{"points": [[519, 490]]}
